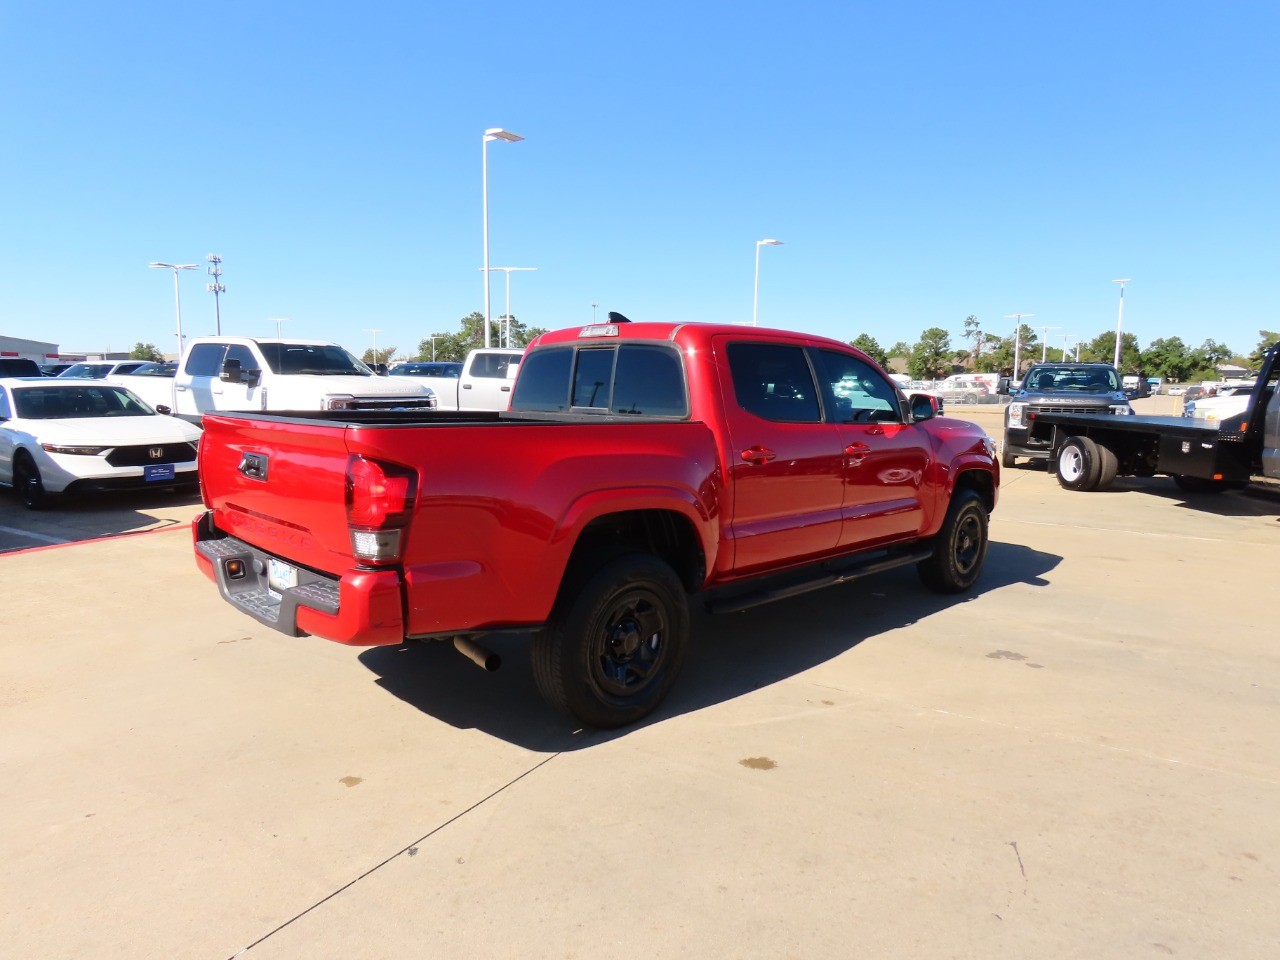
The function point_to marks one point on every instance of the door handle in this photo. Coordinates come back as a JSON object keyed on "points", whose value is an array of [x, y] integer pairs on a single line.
{"points": [[758, 455], [856, 451], [466, 386], [505, 389]]}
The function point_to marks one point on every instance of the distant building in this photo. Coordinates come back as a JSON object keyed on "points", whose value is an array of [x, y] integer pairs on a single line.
{"points": [[40, 351]]}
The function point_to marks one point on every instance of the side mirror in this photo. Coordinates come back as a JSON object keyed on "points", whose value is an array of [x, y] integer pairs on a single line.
{"points": [[163, 410], [231, 372], [924, 406], [1003, 386]]}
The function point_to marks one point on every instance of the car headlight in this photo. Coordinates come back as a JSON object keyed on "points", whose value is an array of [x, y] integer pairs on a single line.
{"points": [[1189, 410], [339, 402], [76, 451], [1016, 410], [1120, 409]]}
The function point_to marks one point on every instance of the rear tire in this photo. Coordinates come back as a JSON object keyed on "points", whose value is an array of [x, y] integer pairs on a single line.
{"points": [[27, 483], [1079, 466], [1108, 466], [960, 547], [616, 642], [1006, 458]]}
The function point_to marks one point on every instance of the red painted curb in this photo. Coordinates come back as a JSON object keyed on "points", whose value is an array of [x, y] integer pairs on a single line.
{"points": [[185, 527]]}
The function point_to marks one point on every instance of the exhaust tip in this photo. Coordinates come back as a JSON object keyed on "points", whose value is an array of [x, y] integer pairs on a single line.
{"points": [[481, 656]]}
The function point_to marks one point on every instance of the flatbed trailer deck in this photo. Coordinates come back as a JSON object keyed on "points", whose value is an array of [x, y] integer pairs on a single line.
{"points": [[1089, 451]]}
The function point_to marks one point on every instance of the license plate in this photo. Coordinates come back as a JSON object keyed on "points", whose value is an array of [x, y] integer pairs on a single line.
{"points": [[281, 575], [158, 471]]}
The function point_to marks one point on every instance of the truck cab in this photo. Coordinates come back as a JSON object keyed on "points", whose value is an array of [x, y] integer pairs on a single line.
{"points": [[1058, 388], [242, 373]]}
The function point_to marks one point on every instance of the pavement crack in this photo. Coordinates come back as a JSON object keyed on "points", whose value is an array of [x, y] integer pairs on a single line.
{"points": [[410, 848]]}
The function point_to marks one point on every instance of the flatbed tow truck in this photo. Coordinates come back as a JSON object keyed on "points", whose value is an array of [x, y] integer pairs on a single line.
{"points": [[1088, 452]]}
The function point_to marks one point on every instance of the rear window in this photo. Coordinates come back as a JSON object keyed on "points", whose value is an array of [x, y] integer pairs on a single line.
{"points": [[638, 380]]}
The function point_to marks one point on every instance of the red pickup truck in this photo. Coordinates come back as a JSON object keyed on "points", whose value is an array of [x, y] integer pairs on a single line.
{"points": [[639, 464]]}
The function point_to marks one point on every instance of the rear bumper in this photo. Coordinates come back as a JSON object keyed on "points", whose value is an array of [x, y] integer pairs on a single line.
{"points": [[360, 608]]}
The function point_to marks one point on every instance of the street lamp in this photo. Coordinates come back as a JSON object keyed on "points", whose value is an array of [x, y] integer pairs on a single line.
{"points": [[433, 345], [217, 287], [1120, 319], [375, 333], [279, 322], [507, 271], [493, 133], [1065, 337], [1017, 338], [755, 297], [177, 300]]}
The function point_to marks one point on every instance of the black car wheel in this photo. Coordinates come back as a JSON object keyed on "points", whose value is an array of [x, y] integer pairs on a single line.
{"points": [[27, 482]]}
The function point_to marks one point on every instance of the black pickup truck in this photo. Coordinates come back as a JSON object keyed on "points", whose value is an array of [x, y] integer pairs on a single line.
{"points": [[1089, 451]]}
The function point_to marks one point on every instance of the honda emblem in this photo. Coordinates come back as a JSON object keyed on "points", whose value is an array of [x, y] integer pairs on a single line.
{"points": [[156, 453]]}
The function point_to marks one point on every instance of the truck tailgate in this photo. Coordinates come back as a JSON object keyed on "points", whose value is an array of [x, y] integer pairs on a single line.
{"points": [[279, 485]]}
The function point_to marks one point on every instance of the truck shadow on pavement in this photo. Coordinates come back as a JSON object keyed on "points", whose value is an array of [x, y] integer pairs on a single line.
{"points": [[730, 655], [77, 519], [1252, 501]]}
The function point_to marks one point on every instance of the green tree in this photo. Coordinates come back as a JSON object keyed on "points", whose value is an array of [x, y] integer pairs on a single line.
{"points": [[931, 357], [455, 346], [382, 356], [1168, 357], [868, 345], [1000, 356], [1102, 349], [1210, 354], [145, 351], [900, 349], [973, 332], [1267, 340]]}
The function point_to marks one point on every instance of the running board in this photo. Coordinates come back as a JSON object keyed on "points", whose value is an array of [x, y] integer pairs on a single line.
{"points": [[729, 599]]}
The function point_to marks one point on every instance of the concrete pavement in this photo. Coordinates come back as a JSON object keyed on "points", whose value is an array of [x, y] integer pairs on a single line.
{"points": [[1077, 760]]}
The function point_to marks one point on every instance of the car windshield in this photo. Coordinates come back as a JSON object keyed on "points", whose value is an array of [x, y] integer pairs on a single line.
{"points": [[155, 370], [73, 402], [449, 370], [325, 359], [86, 371], [1071, 380]]}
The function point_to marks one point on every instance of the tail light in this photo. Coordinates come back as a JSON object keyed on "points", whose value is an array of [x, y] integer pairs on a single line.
{"points": [[380, 500]]}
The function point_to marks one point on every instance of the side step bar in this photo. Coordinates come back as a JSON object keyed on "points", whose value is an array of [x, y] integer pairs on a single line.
{"points": [[826, 574]]}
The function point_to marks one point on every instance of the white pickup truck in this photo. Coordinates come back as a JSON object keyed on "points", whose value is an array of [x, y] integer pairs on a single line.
{"points": [[245, 373], [481, 382]]}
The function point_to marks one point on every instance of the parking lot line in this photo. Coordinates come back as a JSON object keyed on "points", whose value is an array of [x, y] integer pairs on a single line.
{"points": [[27, 534]]}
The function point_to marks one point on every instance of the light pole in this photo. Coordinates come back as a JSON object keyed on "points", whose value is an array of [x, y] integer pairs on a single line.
{"points": [[177, 300], [1017, 338], [493, 133], [1044, 344], [507, 271], [1065, 337], [1120, 320], [375, 333], [593, 311], [755, 296], [217, 287], [433, 347], [279, 322]]}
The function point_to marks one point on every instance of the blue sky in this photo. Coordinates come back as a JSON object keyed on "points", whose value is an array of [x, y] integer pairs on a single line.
{"points": [[920, 161]]}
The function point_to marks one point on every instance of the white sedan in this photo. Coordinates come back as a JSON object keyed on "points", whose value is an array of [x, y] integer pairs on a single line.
{"points": [[78, 436]]}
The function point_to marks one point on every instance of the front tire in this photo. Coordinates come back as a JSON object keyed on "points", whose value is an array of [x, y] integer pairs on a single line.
{"points": [[1079, 466], [1007, 459], [611, 651], [960, 547], [27, 482]]}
